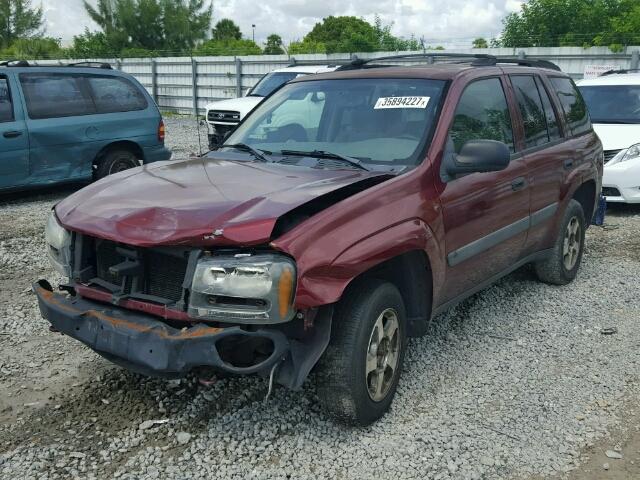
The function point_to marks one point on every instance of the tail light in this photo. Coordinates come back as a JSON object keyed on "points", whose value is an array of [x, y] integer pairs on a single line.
{"points": [[161, 131]]}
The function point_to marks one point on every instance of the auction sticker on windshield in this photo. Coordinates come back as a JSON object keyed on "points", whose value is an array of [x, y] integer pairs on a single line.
{"points": [[401, 102]]}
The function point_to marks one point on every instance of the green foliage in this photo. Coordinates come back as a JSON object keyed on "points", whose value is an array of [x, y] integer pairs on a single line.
{"points": [[351, 34], [135, 26], [34, 48], [552, 23], [480, 43], [18, 19], [226, 29], [273, 46], [228, 47], [90, 45]]}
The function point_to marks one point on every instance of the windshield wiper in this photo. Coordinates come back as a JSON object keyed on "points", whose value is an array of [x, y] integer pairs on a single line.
{"points": [[324, 154], [249, 149]]}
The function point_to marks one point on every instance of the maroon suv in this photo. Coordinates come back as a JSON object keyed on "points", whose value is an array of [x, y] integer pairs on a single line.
{"points": [[345, 212]]}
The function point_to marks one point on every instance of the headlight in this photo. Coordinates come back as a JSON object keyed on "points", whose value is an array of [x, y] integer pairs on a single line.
{"points": [[631, 153], [58, 245], [244, 288]]}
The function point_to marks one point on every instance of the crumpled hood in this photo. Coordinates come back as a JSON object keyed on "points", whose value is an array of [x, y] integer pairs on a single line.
{"points": [[186, 202]]}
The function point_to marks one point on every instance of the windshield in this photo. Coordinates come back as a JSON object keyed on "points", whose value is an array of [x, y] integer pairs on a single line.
{"points": [[371, 120], [271, 81], [613, 103]]}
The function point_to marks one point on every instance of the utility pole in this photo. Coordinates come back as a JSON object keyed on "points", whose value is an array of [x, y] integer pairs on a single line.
{"points": [[253, 35]]}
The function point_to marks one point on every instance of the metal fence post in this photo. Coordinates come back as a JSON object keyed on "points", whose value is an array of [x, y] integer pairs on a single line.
{"points": [[238, 77], [522, 55], [154, 80], [635, 60], [194, 85], [118, 64]]}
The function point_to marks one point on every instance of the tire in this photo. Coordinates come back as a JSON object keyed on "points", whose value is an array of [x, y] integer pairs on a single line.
{"points": [[116, 161], [344, 387], [561, 267]]}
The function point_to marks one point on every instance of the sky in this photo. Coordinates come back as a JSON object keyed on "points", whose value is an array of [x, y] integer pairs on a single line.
{"points": [[438, 21]]}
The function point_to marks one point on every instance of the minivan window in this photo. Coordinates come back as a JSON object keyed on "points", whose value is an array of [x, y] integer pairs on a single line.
{"points": [[553, 125], [575, 110], [613, 103], [52, 95], [482, 114], [115, 94], [531, 110], [6, 108], [385, 121]]}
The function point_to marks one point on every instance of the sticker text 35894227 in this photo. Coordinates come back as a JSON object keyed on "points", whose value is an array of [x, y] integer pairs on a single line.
{"points": [[401, 102]]}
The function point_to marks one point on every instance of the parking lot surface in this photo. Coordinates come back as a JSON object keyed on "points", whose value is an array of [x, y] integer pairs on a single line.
{"points": [[520, 381]]}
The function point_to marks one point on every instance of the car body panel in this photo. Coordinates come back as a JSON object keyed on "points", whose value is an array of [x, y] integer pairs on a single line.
{"points": [[185, 202], [14, 149]]}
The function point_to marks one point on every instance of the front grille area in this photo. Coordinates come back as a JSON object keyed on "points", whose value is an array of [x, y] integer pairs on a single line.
{"points": [[610, 192], [223, 116], [161, 273], [609, 154]]}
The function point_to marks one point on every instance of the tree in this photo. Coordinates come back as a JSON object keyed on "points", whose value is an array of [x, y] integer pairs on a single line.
{"points": [[228, 47], [226, 29], [480, 43], [18, 20], [273, 45], [90, 45], [175, 26], [551, 23]]}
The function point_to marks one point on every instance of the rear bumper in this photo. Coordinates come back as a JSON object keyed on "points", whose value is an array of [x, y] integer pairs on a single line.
{"points": [[156, 153], [147, 345]]}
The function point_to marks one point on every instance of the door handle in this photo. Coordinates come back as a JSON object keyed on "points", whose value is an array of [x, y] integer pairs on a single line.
{"points": [[518, 184], [568, 163], [12, 134]]}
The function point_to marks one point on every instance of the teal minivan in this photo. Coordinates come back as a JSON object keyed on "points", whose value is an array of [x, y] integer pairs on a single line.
{"points": [[78, 122]]}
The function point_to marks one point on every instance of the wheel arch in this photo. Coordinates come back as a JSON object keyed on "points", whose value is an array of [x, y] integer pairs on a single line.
{"points": [[586, 196]]}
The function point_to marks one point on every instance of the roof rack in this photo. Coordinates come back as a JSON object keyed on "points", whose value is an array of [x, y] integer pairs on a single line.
{"points": [[14, 63], [475, 59], [24, 63], [623, 70]]}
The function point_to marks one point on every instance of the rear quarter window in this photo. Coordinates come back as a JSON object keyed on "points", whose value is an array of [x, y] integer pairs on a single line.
{"points": [[116, 94], [6, 108], [52, 95], [573, 105]]}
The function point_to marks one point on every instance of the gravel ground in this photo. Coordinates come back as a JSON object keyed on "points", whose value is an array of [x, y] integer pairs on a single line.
{"points": [[516, 382]]}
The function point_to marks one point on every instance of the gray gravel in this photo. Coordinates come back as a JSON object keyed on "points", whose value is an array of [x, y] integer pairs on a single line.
{"points": [[515, 382]]}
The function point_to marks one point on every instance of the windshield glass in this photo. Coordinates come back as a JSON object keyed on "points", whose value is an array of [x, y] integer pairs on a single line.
{"points": [[613, 103], [271, 81], [372, 120]]}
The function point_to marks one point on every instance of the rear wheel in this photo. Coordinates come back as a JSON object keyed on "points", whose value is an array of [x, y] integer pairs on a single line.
{"points": [[562, 266], [358, 374], [116, 161]]}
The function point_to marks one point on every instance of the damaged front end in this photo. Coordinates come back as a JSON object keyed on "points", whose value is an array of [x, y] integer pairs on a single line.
{"points": [[167, 311]]}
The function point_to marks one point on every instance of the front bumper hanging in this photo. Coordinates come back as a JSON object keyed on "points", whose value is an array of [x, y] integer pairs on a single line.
{"points": [[147, 345]]}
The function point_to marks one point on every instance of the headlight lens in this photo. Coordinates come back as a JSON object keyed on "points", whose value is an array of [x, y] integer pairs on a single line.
{"points": [[631, 153], [58, 245], [244, 288]]}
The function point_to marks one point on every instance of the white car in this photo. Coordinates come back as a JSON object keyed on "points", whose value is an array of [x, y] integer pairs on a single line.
{"points": [[614, 105], [223, 116]]}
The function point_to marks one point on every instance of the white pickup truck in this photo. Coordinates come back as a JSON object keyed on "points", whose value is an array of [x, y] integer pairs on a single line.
{"points": [[223, 116]]}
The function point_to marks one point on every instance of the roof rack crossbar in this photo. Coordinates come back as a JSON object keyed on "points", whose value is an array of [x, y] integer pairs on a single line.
{"points": [[621, 71], [104, 65], [476, 59]]}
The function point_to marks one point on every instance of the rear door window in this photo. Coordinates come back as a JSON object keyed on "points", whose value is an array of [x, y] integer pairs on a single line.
{"points": [[553, 126], [6, 107], [574, 107], [53, 95], [115, 94], [531, 110], [482, 114]]}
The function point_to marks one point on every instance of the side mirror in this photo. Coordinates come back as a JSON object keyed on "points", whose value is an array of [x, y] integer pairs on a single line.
{"points": [[478, 156]]}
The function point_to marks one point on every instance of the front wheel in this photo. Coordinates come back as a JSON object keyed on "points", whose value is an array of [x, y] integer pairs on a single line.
{"points": [[358, 374], [561, 267]]}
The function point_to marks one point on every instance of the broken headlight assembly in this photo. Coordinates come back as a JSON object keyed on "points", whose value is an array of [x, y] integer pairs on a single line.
{"points": [[58, 245], [244, 288]]}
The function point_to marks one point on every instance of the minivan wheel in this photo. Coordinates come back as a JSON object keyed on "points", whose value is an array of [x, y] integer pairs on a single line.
{"points": [[358, 374], [561, 267], [116, 161]]}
